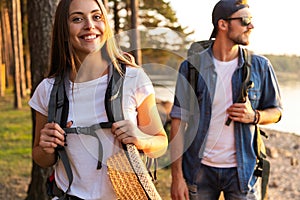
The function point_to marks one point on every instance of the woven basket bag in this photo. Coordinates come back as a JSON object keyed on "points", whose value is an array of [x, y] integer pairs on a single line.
{"points": [[129, 176]]}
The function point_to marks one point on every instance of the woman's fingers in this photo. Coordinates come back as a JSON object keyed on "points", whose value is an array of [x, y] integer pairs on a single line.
{"points": [[52, 135]]}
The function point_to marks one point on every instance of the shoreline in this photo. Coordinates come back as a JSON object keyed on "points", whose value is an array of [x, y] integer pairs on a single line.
{"points": [[269, 129], [283, 152]]}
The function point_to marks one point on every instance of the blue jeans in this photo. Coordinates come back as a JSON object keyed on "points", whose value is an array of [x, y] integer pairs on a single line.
{"points": [[211, 181]]}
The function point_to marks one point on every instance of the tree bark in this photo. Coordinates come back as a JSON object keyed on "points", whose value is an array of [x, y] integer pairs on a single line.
{"points": [[116, 17], [105, 2], [17, 87], [7, 45], [2, 77], [26, 47], [21, 51], [41, 15], [135, 39]]}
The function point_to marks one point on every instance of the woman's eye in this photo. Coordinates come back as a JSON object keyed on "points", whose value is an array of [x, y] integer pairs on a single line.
{"points": [[77, 19], [98, 17]]}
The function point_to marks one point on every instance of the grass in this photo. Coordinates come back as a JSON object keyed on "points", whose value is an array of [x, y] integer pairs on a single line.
{"points": [[16, 141]]}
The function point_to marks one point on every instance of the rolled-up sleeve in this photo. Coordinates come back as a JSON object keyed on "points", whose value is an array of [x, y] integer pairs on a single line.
{"points": [[181, 106], [271, 97]]}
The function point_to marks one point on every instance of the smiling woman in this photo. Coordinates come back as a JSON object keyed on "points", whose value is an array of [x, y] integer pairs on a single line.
{"points": [[85, 62], [87, 28]]}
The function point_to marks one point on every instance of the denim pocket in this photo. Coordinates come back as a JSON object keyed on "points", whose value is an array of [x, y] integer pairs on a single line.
{"points": [[254, 97], [193, 194]]}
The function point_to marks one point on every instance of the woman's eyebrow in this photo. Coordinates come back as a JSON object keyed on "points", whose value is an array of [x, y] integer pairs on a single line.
{"points": [[81, 13]]}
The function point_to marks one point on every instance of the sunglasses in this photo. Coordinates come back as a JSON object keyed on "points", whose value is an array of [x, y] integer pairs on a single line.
{"points": [[245, 21]]}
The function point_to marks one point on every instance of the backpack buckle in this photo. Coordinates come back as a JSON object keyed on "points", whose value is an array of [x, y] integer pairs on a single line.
{"points": [[84, 130]]}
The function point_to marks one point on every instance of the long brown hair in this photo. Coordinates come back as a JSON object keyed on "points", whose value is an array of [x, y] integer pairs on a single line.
{"points": [[63, 59]]}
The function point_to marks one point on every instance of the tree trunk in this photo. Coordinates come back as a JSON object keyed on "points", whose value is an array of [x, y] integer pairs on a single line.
{"points": [[17, 87], [2, 77], [116, 17], [7, 45], [105, 2], [135, 39], [26, 47], [21, 51], [41, 14]]}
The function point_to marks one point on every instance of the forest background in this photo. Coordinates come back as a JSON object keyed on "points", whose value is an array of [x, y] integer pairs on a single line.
{"points": [[148, 29]]}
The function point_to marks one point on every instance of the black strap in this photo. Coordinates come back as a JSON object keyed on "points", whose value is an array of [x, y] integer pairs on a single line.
{"points": [[263, 165], [246, 83], [193, 60], [113, 104], [58, 112], [265, 178], [114, 93], [113, 96]]}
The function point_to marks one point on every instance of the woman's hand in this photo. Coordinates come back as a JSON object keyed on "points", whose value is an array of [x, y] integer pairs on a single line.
{"points": [[128, 133], [51, 136], [148, 135]]}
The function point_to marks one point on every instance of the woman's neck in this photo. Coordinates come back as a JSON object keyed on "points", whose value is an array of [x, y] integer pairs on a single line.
{"points": [[92, 67]]}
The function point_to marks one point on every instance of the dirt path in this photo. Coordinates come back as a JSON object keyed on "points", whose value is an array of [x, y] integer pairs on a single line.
{"points": [[284, 155]]}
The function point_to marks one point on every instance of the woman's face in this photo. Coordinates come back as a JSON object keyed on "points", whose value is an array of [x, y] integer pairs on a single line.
{"points": [[86, 27]]}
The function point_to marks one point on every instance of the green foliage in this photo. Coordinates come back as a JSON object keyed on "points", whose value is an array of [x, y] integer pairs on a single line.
{"points": [[152, 14], [285, 63], [286, 67]]}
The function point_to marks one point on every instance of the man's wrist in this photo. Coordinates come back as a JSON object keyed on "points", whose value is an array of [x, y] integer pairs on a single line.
{"points": [[256, 117]]}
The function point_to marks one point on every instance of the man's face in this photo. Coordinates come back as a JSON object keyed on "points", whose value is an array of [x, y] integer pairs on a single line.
{"points": [[240, 26]]}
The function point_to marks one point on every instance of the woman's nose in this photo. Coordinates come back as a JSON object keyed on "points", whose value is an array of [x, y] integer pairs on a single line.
{"points": [[89, 24]]}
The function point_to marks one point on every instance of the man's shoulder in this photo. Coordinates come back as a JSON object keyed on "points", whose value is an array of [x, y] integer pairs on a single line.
{"points": [[258, 59], [201, 58]]}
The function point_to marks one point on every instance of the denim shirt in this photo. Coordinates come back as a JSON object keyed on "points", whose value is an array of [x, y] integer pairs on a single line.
{"points": [[194, 107]]}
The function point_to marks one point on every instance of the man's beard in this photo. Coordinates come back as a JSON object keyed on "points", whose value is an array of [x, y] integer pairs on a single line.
{"points": [[242, 39]]}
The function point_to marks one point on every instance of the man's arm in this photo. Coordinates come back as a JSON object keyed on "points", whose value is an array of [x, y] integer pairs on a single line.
{"points": [[269, 115], [179, 190], [243, 112]]}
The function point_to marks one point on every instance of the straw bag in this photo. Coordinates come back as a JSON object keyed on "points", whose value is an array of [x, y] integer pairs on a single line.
{"points": [[129, 176]]}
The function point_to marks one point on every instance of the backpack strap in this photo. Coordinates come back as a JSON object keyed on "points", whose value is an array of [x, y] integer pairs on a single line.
{"points": [[58, 112], [114, 110], [263, 165], [246, 82], [114, 93], [91, 131]]}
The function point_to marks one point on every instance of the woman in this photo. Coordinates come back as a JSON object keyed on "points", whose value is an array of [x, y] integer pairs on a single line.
{"points": [[83, 49]]}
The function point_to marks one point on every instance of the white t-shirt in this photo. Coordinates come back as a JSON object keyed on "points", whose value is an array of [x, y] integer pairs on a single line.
{"points": [[86, 107], [220, 146]]}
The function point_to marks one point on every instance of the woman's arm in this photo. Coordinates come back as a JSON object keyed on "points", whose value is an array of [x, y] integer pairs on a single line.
{"points": [[150, 123], [150, 135]]}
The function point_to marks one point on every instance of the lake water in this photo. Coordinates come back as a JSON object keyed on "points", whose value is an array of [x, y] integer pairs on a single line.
{"points": [[290, 122], [290, 95]]}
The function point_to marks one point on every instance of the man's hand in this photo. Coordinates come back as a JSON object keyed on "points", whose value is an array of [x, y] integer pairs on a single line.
{"points": [[241, 112], [179, 189]]}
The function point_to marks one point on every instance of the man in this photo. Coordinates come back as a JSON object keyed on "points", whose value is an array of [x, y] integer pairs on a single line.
{"points": [[210, 157]]}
